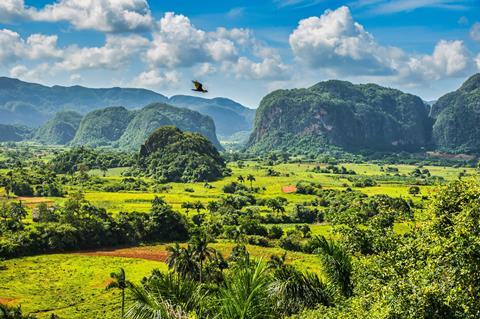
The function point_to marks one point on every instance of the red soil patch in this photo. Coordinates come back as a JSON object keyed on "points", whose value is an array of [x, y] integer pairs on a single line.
{"points": [[137, 252], [289, 189], [7, 301], [33, 201]]}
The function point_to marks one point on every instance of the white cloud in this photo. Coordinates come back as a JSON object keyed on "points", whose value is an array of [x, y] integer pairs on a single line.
{"points": [[177, 43], [477, 61], [11, 10], [337, 44], [34, 74], [475, 32], [270, 68], [37, 46], [153, 79], [101, 15], [117, 52]]}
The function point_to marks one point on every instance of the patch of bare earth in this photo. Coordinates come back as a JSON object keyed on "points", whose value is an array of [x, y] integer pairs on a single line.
{"points": [[7, 301], [136, 252], [289, 189]]}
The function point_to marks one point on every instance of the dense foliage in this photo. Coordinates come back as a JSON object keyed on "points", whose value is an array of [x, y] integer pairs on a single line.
{"points": [[170, 155], [71, 160], [153, 116], [457, 116], [432, 272], [80, 225], [352, 117], [59, 130], [102, 127]]}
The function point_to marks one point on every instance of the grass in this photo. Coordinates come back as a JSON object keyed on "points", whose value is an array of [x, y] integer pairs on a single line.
{"points": [[72, 286]]}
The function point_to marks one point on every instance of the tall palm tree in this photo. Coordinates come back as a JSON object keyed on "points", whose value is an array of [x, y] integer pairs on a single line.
{"points": [[337, 264], [251, 179], [119, 282], [201, 251], [241, 179]]}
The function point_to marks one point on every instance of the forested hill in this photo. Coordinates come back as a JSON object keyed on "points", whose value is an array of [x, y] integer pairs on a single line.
{"points": [[457, 114], [341, 114], [119, 127], [33, 104]]}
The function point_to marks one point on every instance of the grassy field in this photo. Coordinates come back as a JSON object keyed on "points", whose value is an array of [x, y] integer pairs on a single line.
{"points": [[73, 286]]}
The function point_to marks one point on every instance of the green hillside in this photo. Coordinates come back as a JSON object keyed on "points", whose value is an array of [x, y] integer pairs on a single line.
{"points": [[14, 133], [170, 155], [59, 130], [341, 114], [229, 116], [153, 116], [457, 115], [102, 127]]}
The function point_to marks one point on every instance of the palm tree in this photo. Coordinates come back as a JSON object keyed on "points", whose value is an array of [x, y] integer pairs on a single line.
{"points": [[245, 294], [119, 282], [201, 251], [337, 264], [241, 179], [251, 179], [294, 291], [182, 261]]}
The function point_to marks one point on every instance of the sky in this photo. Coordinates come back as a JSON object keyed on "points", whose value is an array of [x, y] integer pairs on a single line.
{"points": [[241, 49]]}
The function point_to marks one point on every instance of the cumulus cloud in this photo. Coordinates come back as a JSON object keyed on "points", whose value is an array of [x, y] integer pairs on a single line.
{"points": [[101, 15], [340, 45], [178, 43], [154, 79], [37, 46], [117, 52], [31, 74], [475, 32]]}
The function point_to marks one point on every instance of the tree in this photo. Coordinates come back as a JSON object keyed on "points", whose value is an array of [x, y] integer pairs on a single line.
{"points": [[245, 294], [241, 179], [201, 251], [187, 206], [251, 179], [337, 264], [276, 205], [414, 190], [182, 261], [12, 312], [198, 205], [119, 281]]}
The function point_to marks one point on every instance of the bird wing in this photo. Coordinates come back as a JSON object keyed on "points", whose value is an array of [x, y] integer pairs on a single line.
{"points": [[198, 85]]}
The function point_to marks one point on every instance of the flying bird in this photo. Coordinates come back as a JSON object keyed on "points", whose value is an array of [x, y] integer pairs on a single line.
{"points": [[198, 87]]}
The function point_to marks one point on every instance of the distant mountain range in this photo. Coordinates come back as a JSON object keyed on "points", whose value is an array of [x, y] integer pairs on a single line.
{"points": [[32, 104], [339, 114]]}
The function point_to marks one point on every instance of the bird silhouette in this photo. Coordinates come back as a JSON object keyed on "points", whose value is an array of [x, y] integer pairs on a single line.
{"points": [[198, 87]]}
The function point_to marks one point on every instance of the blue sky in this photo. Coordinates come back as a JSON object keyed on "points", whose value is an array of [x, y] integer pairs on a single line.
{"points": [[241, 49]]}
